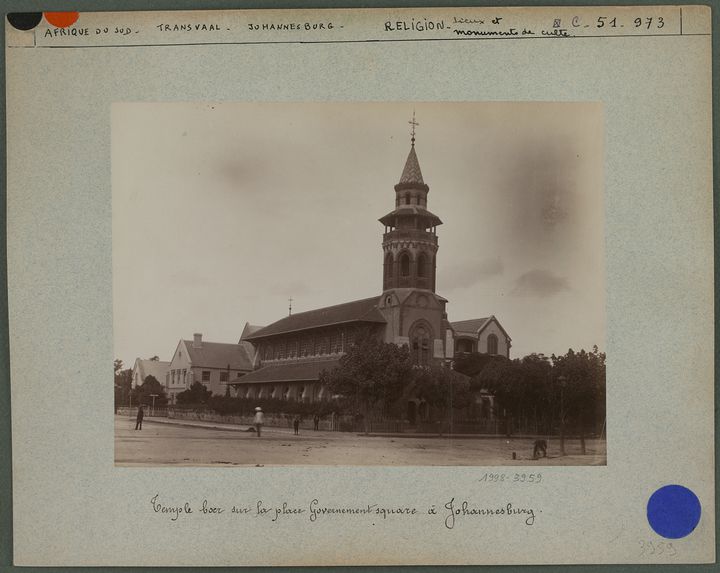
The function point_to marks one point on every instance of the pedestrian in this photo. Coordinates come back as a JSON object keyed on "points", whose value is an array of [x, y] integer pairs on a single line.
{"points": [[140, 416], [296, 425], [258, 421], [316, 422]]}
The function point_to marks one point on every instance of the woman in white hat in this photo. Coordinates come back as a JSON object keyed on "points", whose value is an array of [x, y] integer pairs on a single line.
{"points": [[258, 421]]}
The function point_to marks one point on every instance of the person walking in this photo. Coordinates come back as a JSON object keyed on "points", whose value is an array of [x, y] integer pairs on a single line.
{"points": [[316, 422], [140, 416], [258, 421], [296, 425]]}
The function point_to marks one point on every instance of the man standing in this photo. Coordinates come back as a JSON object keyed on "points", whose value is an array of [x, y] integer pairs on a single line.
{"points": [[258, 421], [140, 416], [316, 422]]}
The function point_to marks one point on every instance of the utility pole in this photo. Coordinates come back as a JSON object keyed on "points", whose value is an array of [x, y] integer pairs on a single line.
{"points": [[562, 380]]}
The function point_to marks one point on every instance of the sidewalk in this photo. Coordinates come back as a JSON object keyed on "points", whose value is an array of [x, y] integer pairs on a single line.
{"points": [[218, 425], [459, 436], [329, 433]]}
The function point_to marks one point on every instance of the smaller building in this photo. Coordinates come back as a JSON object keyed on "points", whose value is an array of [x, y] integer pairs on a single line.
{"points": [[152, 367], [214, 364], [484, 335]]}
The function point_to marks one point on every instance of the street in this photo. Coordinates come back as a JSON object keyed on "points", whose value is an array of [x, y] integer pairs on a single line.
{"points": [[161, 443]]}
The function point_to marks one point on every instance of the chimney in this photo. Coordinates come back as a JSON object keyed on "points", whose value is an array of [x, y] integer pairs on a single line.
{"points": [[197, 340]]}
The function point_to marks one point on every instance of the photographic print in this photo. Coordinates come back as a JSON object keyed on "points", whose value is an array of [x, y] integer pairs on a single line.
{"points": [[397, 286], [358, 284]]}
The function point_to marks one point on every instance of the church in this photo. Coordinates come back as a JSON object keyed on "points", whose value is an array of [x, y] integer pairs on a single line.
{"points": [[291, 353]]}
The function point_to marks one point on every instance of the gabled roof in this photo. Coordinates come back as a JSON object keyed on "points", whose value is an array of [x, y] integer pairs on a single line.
{"points": [[219, 355], [476, 325], [365, 310], [156, 368], [248, 330], [411, 173], [289, 372], [402, 294], [473, 325]]}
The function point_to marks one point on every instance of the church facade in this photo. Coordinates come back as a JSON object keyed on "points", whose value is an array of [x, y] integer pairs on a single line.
{"points": [[291, 353]]}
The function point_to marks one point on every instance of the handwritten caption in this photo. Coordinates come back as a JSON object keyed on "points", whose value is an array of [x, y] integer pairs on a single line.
{"points": [[448, 514]]}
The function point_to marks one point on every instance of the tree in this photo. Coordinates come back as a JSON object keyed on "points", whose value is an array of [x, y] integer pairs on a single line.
{"points": [[583, 389], [372, 373], [143, 394], [443, 389], [472, 363], [123, 383], [521, 387], [196, 394]]}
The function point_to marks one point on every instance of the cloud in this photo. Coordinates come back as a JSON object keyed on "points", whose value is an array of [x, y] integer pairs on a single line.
{"points": [[469, 273], [539, 183], [539, 283]]}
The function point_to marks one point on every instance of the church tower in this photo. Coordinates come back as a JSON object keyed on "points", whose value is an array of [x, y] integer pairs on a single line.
{"points": [[415, 314], [410, 241]]}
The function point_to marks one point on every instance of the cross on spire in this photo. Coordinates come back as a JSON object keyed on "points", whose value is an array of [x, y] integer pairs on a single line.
{"points": [[412, 133], [290, 306]]}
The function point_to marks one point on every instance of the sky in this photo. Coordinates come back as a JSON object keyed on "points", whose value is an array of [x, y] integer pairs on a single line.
{"points": [[223, 211]]}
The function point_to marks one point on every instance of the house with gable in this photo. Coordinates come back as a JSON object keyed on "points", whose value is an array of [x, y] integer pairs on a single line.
{"points": [[484, 335], [214, 364], [151, 367]]}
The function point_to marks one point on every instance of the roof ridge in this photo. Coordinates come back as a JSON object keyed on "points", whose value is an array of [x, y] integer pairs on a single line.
{"points": [[325, 316], [326, 308], [211, 342]]}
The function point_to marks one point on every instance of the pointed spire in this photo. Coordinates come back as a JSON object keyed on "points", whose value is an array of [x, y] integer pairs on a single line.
{"points": [[411, 173]]}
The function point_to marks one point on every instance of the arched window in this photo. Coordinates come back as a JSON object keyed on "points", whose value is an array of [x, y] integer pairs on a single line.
{"points": [[407, 198], [388, 267], [420, 339], [492, 344], [405, 265], [422, 265]]}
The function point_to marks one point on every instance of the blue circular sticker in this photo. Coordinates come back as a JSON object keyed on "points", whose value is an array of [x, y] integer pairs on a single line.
{"points": [[673, 511]]}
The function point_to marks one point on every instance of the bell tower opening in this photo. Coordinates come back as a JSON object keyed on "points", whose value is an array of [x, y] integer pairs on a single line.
{"points": [[388, 274], [422, 266], [404, 265]]}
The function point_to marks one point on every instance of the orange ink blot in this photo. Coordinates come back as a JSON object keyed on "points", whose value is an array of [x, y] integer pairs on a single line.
{"points": [[61, 19]]}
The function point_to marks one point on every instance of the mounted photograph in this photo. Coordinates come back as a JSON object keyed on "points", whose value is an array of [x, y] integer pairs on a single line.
{"points": [[359, 284]]}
